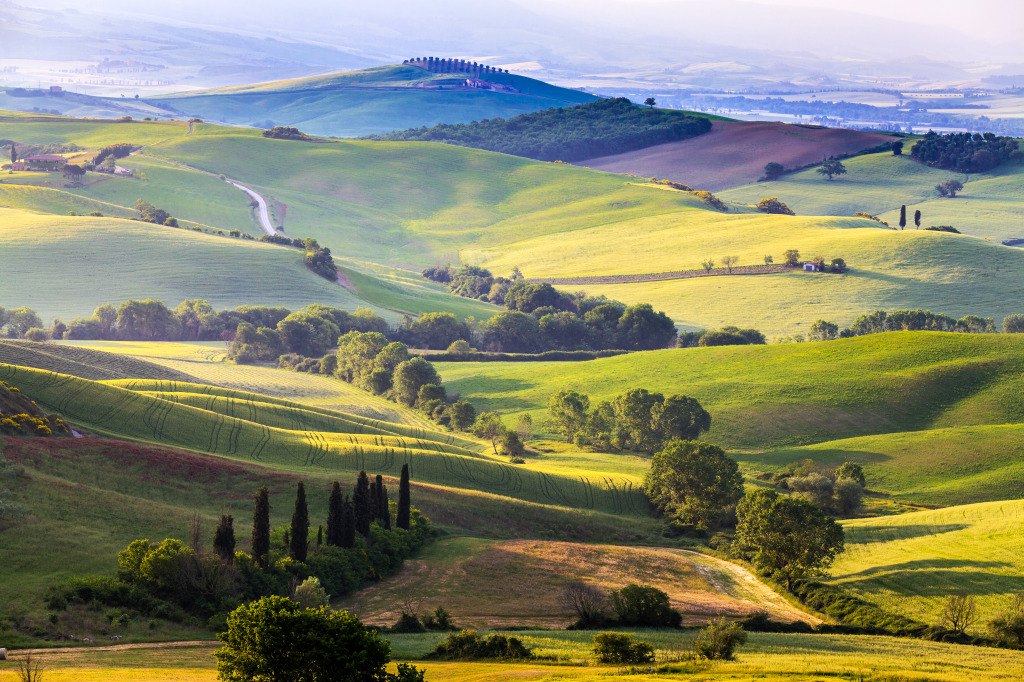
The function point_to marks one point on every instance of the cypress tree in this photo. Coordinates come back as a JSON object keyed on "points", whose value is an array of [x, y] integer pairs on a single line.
{"points": [[917, 219], [334, 512], [261, 527], [404, 501], [385, 507], [903, 216], [375, 499], [348, 524], [300, 526], [319, 537], [224, 538], [361, 504], [287, 541]]}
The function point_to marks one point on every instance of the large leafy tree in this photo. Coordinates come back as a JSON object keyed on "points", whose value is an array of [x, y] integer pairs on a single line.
{"points": [[680, 417], [790, 537], [276, 639], [633, 412], [694, 482], [410, 376], [831, 168], [568, 411]]}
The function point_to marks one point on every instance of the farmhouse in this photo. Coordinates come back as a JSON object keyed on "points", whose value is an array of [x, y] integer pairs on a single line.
{"points": [[479, 84], [40, 162], [812, 267]]}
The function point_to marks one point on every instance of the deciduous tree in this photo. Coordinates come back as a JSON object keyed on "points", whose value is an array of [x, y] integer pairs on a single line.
{"points": [[568, 412], [831, 168], [693, 482]]}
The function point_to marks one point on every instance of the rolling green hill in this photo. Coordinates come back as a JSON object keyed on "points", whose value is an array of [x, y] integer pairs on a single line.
{"points": [[957, 465], [173, 265], [991, 204], [376, 100], [352, 443], [912, 563], [764, 396], [83, 362], [414, 204]]}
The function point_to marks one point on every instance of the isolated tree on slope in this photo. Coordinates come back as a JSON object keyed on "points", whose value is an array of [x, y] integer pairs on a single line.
{"points": [[831, 167], [300, 526], [903, 216]]}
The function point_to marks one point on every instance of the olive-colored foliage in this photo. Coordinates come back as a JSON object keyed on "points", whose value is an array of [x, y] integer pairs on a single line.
{"points": [[693, 482], [568, 412], [468, 644], [788, 537], [773, 205], [410, 376]]}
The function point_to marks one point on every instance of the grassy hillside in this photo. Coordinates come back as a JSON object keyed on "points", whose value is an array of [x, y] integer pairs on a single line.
{"points": [[175, 264], [83, 363], [478, 581], [914, 562], [414, 205], [991, 204], [375, 100], [937, 466], [760, 396], [434, 457]]}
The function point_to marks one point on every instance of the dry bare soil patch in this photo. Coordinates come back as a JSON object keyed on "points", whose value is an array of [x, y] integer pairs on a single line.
{"points": [[735, 153]]}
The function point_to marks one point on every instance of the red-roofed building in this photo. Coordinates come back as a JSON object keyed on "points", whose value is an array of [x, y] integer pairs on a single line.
{"points": [[40, 162]]}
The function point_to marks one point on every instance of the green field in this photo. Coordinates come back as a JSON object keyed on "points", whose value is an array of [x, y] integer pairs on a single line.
{"points": [[912, 563], [377, 100], [937, 466], [991, 204], [790, 394], [567, 656]]}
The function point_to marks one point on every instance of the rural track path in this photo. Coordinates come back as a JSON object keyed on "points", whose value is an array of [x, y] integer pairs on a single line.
{"points": [[746, 585], [262, 211], [114, 647]]}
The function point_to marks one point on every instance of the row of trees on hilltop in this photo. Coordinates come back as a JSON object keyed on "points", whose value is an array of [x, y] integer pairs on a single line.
{"points": [[443, 65], [880, 321], [586, 131]]}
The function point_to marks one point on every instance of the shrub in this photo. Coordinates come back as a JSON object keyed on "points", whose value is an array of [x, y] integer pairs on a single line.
{"points": [[711, 200], [440, 620], [36, 334], [943, 228], [718, 641], [310, 594], [620, 648], [773, 205], [1013, 324], [408, 622], [644, 606], [467, 644]]}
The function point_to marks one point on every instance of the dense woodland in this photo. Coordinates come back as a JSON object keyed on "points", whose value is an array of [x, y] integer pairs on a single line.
{"points": [[610, 126], [964, 152]]}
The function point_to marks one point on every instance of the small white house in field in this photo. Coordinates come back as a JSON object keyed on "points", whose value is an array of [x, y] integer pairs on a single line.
{"points": [[811, 267]]}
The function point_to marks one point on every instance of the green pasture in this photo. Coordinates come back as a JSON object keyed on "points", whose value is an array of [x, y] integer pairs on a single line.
{"points": [[18, 192], [947, 466], [991, 204], [433, 457], [914, 562], [567, 656], [788, 394]]}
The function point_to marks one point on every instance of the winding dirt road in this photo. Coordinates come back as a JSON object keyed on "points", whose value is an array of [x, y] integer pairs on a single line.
{"points": [[263, 213]]}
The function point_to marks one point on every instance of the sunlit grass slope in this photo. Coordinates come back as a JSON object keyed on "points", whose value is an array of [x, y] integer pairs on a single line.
{"points": [[30, 197], [66, 266], [912, 563], [82, 362], [991, 204], [938, 466], [433, 458], [382, 99], [763, 396]]}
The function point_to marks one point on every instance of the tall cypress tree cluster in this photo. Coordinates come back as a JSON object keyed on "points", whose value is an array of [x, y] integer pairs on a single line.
{"points": [[261, 527], [361, 501]]}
